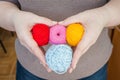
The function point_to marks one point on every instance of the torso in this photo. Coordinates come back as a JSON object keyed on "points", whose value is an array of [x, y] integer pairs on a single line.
{"points": [[58, 10]]}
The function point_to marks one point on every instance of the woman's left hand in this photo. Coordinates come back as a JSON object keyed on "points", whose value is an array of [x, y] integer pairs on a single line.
{"points": [[93, 21]]}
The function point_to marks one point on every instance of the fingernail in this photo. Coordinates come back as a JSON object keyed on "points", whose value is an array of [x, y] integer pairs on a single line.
{"points": [[44, 65], [49, 70], [61, 22], [74, 67], [70, 71]]}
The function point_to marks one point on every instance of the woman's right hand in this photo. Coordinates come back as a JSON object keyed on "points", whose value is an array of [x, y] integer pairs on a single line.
{"points": [[23, 23]]}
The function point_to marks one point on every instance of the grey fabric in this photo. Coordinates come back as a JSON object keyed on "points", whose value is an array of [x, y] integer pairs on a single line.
{"points": [[58, 10], [13, 1], [88, 64]]}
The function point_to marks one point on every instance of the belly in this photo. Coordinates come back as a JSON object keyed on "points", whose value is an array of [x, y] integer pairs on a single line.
{"points": [[59, 9]]}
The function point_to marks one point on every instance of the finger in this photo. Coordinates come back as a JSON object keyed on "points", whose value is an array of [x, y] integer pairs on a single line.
{"points": [[34, 48], [82, 47], [51, 23], [76, 58], [39, 53], [47, 68], [72, 19], [69, 20], [36, 51], [44, 20], [70, 70]]}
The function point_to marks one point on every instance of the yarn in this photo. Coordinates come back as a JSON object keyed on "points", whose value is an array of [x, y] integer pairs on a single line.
{"points": [[74, 34], [59, 57], [40, 34], [58, 34]]}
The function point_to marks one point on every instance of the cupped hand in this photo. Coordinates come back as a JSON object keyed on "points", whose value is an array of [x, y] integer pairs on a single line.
{"points": [[93, 21], [23, 23]]}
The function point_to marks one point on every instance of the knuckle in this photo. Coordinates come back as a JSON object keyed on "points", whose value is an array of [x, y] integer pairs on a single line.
{"points": [[93, 42], [22, 41], [33, 47]]}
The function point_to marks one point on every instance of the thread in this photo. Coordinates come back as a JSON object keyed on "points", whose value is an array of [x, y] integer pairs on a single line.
{"points": [[57, 34], [74, 34], [40, 34], [59, 57]]}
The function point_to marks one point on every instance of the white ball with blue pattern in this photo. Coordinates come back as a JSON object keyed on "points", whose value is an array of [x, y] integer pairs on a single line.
{"points": [[59, 57]]}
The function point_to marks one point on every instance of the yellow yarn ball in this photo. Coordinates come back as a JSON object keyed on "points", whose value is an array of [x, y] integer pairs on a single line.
{"points": [[74, 34]]}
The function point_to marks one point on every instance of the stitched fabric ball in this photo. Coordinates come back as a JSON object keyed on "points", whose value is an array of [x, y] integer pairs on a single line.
{"points": [[74, 34], [40, 34], [59, 57], [57, 34]]}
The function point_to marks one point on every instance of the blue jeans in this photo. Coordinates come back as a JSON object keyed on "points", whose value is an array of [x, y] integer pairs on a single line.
{"points": [[23, 74], [99, 75]]}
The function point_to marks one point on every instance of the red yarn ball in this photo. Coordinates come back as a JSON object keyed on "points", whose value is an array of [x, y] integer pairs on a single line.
{"points": [[40, 34]]}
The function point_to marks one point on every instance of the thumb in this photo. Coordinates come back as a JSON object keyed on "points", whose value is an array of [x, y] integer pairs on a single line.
{"points": [[72, 19], [51, 23], [39, 19]]}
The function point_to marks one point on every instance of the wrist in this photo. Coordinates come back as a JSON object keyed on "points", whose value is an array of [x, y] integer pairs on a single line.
{"points": [[12, 17], [104, 15], [113, 14]]}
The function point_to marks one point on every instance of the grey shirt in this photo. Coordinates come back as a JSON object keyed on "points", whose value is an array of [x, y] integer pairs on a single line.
{"points": [[58, 10]]}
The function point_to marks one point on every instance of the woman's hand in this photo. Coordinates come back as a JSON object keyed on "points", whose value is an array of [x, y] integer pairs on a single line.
{"points": [[93, 21], [23, 23]]}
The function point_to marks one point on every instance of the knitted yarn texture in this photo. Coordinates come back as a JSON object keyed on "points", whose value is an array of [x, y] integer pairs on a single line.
{"points": [[74, 34], [40, 34], [59, 57], [58, 34]]}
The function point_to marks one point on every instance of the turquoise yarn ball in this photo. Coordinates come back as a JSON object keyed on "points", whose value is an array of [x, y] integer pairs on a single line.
{"points": [[59, 57]]}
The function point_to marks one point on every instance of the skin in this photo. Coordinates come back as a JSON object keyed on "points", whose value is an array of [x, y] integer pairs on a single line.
{"points": [[21, 22], [94, 20]]}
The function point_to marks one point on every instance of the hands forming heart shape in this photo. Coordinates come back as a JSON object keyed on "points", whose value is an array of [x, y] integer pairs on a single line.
{"points": [[59, 55], [93, 21]]}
